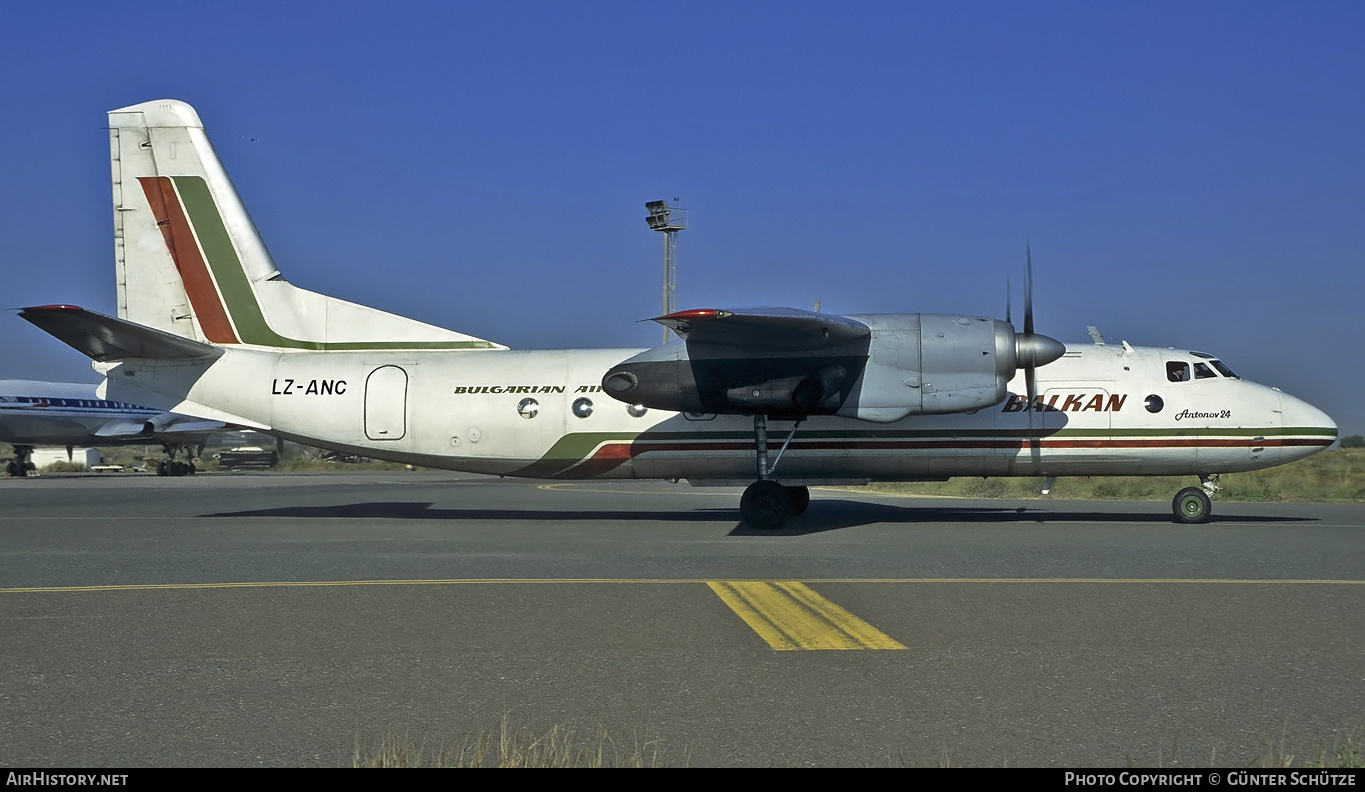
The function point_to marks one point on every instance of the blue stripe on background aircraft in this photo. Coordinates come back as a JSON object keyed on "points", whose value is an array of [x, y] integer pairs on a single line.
{"points": [[71, 414], [207, 325]]}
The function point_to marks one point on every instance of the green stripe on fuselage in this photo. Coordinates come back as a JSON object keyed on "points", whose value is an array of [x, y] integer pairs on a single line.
{"points": [[240, 300]]}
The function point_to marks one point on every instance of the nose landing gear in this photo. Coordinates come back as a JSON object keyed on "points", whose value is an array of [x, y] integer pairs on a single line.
{"points": [[1194, 505]]}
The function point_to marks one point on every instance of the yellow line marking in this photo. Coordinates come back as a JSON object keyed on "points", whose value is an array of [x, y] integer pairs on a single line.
{"points": [[642, 581], [789, 615]]}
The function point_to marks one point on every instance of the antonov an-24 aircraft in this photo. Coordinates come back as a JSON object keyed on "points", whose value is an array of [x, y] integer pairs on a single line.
{"points": [[208, 326]]}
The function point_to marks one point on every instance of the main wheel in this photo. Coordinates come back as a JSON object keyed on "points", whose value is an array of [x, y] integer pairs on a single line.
{"points": [[766, 505], [1192, 505], [800, 499]]}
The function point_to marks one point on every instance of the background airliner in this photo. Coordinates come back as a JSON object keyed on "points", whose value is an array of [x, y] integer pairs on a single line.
{"points": [[35, 413]]}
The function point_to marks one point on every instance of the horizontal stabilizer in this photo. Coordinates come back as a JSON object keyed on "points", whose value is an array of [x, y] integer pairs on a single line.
{"points": [[105, 338], [764, 328]]}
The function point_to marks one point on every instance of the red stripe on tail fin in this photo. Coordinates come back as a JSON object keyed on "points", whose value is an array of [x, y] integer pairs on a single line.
{"points": [[189, 262]]}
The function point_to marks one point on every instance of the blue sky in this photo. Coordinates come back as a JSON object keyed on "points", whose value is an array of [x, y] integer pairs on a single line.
{"points": [[1188, 174]]}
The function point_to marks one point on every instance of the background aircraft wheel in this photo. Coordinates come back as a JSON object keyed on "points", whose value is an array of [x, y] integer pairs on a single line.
{"points": [[766, 505], [12, 469], [161, 468], [800, 499], [190, 469], [1192, 505]]}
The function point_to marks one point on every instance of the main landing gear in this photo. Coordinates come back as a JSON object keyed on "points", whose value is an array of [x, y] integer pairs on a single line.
{"points": [[767, 504], [22, 463], [170, 466], [1194, 505]]}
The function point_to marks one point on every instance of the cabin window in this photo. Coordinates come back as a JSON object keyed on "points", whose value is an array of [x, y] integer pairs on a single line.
{"points": [[637, 410], [1201, 371], [1153, 403], [528, 408], [582, 407], [1178, 371]]}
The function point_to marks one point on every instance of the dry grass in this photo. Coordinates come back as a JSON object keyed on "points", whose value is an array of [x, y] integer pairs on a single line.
{"points": [[563, 746], [1341, 751], [560, 746], [1336, 476]]}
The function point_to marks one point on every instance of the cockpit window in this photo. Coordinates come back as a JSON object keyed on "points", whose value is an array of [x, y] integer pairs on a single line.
{"points": [[1177, 371], [1202, 371], [1222, 369]]}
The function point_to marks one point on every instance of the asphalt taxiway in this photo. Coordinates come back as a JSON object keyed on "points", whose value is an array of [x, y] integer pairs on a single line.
{"points": [[284, 619]]}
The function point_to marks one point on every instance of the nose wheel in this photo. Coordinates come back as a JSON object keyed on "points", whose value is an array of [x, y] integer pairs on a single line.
{"points": [[1192, 505]]}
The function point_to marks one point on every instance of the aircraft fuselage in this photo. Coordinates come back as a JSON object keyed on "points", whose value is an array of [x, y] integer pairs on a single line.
{"points": [[59, 413], [1100, 410]]}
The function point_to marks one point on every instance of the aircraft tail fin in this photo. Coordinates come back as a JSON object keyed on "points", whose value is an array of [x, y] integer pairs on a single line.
{"points": [[190, 262]]}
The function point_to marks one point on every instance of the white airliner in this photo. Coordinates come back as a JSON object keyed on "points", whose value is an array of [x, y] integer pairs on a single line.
{"points": [[34, 413], [208, 326]]}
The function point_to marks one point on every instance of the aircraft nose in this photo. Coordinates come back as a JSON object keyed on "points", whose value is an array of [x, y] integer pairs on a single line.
{"points": [[1300, 417]]}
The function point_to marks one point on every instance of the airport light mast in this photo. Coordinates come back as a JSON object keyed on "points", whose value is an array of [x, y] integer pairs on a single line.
{"points": [[669, 221]]}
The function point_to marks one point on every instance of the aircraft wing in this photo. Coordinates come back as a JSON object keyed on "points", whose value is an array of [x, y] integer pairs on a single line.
{"points": [[175, 423], [763, 328], [121, 427], [105, 338], [166, 426]]}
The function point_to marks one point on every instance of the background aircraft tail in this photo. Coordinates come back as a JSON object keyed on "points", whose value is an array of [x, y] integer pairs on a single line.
{"points": [[191, 263]]}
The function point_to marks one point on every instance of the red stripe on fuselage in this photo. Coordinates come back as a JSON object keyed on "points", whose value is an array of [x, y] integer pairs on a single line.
{"points": [[189, 262]]}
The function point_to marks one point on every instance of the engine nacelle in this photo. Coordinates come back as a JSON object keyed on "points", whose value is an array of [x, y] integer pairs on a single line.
{"points": [[930, 364], [903, 364]]}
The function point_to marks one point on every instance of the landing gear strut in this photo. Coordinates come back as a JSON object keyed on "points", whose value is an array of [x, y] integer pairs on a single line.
{"points": [[1193, 505], [22, 464], [767, 504], [170, 466]]}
